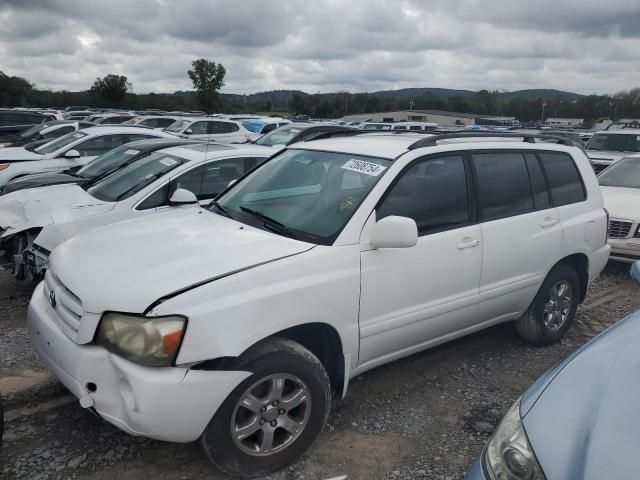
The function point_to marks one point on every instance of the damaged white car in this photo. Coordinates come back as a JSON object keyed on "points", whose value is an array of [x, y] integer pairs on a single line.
{"points": [[34, 221], [236, 324], [69, 152]]}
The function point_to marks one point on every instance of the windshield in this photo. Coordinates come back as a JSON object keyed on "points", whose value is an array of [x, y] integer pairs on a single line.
{"points": [[280, 136], [310, 194], [624, 173], [59, 143], [253, 126], [617, 142], [129, 180], [29, 132], [108, 161], [178, 126]]}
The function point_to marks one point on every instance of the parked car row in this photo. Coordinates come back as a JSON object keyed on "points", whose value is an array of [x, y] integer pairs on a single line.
{"points": [[227, 293]]}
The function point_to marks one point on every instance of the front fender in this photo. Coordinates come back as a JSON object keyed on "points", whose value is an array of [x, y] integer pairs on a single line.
{"points": [[229, 315]]}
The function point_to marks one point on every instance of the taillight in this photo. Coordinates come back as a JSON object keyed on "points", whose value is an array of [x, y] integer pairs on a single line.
{"points": [[606, 212], [4, 165]]}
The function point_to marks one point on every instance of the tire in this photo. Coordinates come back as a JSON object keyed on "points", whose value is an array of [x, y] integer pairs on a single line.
{"points": [[304, 377], [547, 320]]}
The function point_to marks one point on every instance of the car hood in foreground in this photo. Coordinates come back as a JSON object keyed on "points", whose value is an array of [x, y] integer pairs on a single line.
{"points": [[582, 419], [38, 207], [622, 203], [127, 266]]}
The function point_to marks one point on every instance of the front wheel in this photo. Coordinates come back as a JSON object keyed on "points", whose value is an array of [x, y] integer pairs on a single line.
{"points": [[273, 416], [552, 310]]}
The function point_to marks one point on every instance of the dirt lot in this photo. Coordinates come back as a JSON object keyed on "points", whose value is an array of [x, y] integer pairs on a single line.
{"points": [[426, 416]]}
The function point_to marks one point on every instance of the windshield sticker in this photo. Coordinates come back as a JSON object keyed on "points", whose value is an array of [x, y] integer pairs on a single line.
{"points": [[132, 152], [168, 161], [360, 166]]}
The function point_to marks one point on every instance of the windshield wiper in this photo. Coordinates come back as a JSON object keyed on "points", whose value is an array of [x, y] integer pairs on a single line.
{"points": [[214, 203], [271, 223]]}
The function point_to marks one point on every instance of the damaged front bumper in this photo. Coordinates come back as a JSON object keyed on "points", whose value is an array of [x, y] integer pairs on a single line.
{"points": [[166, 403], [35, 261]]}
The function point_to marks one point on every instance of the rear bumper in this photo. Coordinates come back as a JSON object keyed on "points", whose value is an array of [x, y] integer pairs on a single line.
{"points": [[166, 403]]}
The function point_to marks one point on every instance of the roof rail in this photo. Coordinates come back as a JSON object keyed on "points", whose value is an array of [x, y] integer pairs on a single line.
{"points": [[526, 137]]}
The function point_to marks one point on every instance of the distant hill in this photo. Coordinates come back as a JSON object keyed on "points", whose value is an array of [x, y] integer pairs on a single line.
{"points": [[282, 98], [544, 93], [418, 92]]}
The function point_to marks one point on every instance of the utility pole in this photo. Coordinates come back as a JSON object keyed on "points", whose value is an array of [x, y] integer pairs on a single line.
{"points": [[411, 103], [544, 104]]}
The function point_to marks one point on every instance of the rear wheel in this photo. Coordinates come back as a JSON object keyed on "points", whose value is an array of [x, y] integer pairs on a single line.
{"points": [[553, 309], [272, 417]]}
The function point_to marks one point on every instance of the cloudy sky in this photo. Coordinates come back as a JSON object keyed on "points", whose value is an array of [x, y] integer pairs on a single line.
{"points": [[586, 46]]}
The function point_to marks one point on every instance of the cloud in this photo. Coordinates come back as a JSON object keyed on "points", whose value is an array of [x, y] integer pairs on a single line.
{"points": [[586, 46]]}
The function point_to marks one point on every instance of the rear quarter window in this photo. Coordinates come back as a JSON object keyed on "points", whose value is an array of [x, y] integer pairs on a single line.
{"points": [[564, 178]]}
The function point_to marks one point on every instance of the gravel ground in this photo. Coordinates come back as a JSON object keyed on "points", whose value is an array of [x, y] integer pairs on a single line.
{"points": [[426, 416]]}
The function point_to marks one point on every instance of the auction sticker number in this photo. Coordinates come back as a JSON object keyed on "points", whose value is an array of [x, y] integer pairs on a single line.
{"points": [[361, 166]]}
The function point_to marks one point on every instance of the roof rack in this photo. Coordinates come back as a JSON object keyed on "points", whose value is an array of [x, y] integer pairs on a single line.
{"points": [[526, 137]]}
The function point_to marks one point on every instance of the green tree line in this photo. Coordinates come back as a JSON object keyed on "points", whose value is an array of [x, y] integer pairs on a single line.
{"points": [[115, 91]]}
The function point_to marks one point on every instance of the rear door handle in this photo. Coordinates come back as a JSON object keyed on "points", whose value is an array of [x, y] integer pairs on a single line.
{"points": [[549, 222], [468, 243]]}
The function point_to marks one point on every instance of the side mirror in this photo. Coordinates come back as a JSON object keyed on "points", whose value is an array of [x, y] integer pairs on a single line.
{"points": [[188, 131], [635, 271], [394, 232], [72, 154], [182, 197]]}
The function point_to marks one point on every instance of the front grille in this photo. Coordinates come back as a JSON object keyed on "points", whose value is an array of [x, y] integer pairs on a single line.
{"points": [[65, 307], [619, 228]]}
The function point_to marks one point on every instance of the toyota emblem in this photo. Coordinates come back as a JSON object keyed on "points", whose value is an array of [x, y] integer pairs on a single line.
{"points": [[52, 298]]}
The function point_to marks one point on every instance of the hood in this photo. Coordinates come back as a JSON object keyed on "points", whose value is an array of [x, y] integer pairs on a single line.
{"points": [[607, 155], [37, 207], [129, 265], [583, 421], [18, 153], [622, 203]]}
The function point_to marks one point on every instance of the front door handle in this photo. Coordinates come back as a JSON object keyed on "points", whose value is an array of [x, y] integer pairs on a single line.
{"points": [[549, 222], [468, 242]]}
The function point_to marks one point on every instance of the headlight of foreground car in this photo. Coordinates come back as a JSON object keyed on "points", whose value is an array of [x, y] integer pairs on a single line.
{"points": [[508, 455], [150, 341]]}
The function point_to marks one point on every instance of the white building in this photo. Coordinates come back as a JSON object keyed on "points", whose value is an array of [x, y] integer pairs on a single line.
{"points": [[440, 117], [564, 122]]}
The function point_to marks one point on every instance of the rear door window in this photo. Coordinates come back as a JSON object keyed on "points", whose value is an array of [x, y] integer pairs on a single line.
{"points": [[564, 179], [541, 199], [503, 184]]}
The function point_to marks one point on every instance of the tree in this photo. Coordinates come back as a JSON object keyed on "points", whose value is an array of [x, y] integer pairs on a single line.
{"points": [[14, 91], [112, 89], [208, 79]]}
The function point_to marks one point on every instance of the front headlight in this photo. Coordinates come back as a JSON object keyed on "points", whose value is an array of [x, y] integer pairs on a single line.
{"points": [[508, 455], [150, 341]]}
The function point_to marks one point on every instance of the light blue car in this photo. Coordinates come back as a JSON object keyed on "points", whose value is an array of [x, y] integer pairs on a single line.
{"points": [[580, 420]]}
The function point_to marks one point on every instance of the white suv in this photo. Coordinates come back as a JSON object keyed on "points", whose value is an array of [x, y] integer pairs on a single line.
{"points": [[236, 324], [608, 146]]}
